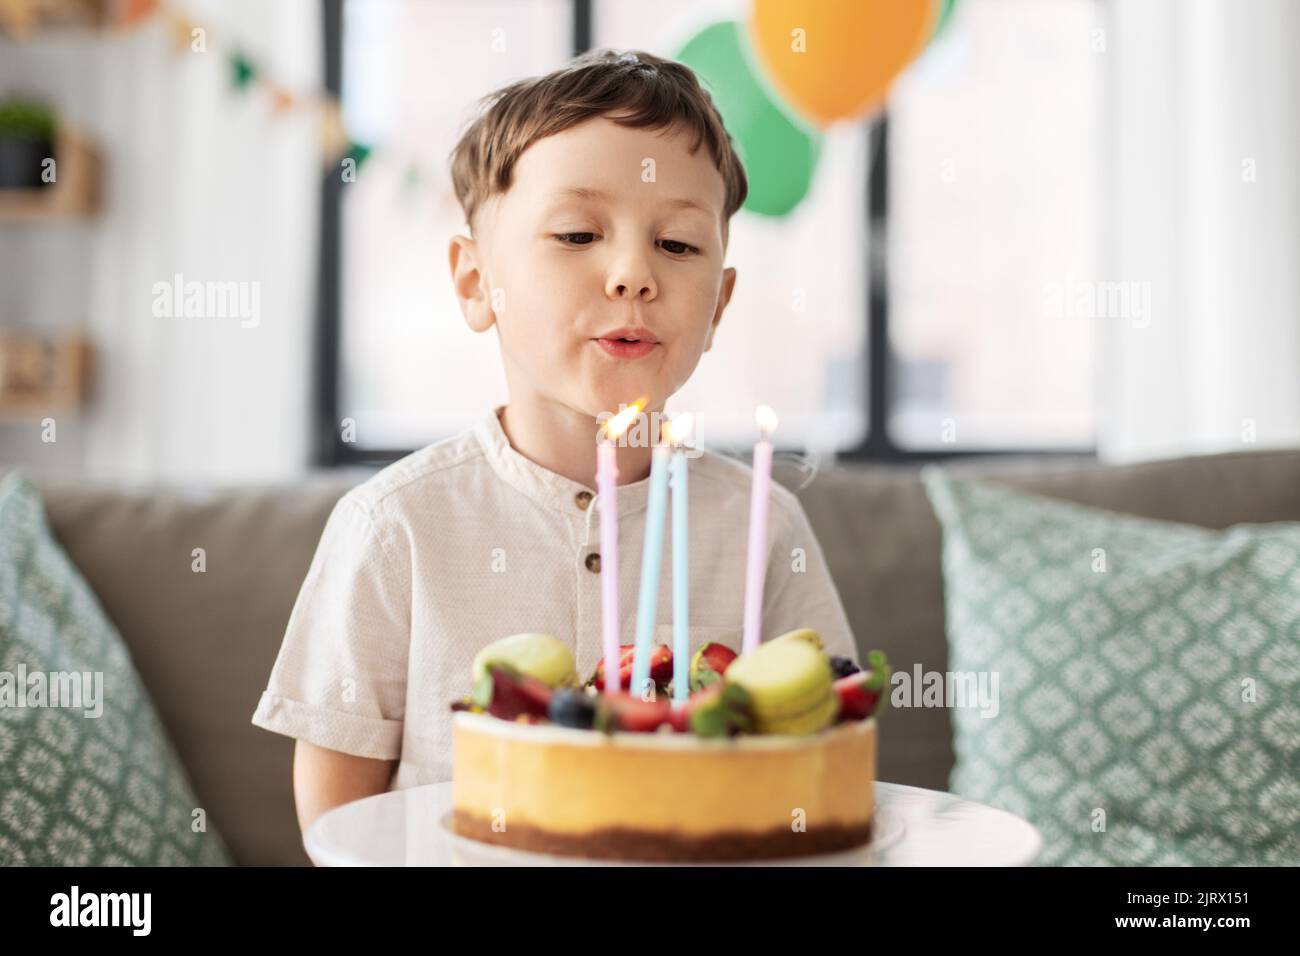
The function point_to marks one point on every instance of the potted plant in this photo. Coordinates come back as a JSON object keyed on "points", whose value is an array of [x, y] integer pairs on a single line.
{"points": [[26, 141]]}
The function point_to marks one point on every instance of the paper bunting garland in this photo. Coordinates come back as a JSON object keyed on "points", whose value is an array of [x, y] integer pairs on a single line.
{"points": [[20, 18]]}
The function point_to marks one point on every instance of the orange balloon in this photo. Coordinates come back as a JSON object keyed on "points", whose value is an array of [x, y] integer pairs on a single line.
{"points": [[835, 59]]}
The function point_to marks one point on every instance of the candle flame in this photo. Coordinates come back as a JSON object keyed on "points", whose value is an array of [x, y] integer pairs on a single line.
{"points": [[680, 428], [766, 418], [617, 424]]}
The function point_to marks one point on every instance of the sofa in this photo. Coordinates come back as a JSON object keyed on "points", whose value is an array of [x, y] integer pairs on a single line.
{"points": [[204, 643]]}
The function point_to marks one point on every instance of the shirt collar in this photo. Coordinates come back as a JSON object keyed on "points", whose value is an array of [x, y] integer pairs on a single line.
{"points": [[541, 484]]}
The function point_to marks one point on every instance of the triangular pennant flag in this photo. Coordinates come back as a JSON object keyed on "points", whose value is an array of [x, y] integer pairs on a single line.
{"points": [[132, 12], [334, 141], [180, 31], [281, 99], [242, 71], [359, 153]]}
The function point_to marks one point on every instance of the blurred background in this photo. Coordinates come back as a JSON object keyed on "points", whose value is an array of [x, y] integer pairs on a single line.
{"points": [[1067, 226]]}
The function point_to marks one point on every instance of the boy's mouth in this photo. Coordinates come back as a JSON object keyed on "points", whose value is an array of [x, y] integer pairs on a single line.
{"points": [[625, 348], [627, 342]]}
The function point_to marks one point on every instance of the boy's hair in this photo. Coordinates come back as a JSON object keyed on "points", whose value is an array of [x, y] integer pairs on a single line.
{"points": [[653, 92]]}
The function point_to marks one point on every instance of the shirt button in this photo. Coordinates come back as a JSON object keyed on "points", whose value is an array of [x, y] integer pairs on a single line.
{"points": [[593, 562], [583, 499]]}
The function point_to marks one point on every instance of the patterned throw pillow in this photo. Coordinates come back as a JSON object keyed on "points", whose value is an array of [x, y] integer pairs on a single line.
{"points": [[87, 777], [1149, 677]]}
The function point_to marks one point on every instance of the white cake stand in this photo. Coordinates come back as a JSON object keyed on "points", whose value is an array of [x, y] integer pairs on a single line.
{"points": [[914, 827]]}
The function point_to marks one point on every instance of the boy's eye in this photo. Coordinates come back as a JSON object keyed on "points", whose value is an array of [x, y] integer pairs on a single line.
{"points": [[677, 248], [673, 246]]}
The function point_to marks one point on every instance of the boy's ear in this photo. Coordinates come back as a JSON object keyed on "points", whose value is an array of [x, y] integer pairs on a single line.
{"points": [[470, 283], [724, 296]]}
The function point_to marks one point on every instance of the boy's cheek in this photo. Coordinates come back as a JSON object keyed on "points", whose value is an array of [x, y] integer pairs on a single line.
{"points": [[561, 291]]}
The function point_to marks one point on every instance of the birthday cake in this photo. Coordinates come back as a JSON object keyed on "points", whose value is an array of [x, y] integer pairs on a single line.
{"points": [[772, 754]]}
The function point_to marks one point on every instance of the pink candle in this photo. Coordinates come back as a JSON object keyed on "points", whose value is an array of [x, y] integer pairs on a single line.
{"points": [[607, 489], [759, 501]]}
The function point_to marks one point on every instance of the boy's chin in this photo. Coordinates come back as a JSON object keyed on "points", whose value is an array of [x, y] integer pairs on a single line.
{"points": [[610, 400], [607, 408]]}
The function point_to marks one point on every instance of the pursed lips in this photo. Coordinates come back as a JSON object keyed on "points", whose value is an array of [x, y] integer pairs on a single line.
{"points": [[629, 333], [626, 346]]}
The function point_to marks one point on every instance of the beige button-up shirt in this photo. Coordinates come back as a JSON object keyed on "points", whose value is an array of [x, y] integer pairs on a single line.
{"points": [[467, 541]]}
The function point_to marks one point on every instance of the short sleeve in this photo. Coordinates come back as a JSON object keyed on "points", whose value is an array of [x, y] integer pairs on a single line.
{"points": [[799, 591], [340, 679]]}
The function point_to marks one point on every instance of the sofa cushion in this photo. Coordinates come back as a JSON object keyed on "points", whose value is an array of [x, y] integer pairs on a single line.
{"points": [[881, 542], [204, 643], [87, 777], [1144, 677]]}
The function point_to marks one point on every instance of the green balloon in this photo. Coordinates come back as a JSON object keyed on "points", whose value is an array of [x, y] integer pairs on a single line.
{"points": [[945, 13], [779, 155]]}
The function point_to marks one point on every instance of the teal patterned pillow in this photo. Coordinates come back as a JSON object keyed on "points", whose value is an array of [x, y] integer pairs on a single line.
{"points": [[87, 777], [1149, 677]]}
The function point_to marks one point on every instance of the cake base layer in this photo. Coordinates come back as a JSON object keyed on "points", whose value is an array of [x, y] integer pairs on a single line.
{"points": [[649, 847], [662, 796]]}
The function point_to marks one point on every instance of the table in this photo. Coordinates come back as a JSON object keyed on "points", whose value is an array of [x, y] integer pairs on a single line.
{"points": [[914, 827]]}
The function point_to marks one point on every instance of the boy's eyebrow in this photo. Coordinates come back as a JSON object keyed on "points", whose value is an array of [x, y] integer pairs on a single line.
{"points": [[598, 195]]}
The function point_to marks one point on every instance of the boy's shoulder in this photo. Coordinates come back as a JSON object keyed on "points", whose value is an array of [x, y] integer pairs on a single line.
{"points": [[715, 466], [739, 476], [408, 480]]}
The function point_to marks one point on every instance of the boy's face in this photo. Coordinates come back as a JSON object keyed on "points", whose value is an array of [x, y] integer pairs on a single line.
{"points": [[603, 228]]}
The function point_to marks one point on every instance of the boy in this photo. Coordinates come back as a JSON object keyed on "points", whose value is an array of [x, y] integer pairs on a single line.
{"points": [[574, 246]]}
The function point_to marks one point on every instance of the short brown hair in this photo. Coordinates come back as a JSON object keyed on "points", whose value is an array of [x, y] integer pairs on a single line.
{"points": [[649, 92]]}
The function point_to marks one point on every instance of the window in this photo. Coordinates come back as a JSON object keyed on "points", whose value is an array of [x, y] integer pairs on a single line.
{"points": [[993, 200], [409, 370], [980, 185]]}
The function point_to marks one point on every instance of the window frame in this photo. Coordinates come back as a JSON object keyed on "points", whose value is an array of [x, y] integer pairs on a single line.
{"points": [[877, 445]]}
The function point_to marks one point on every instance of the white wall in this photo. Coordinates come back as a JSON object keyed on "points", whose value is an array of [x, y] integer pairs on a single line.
{"points": [[202, 181]]}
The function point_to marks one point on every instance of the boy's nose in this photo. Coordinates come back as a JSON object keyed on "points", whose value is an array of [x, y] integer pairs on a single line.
{"points": [[624, 292], [629, 280]]}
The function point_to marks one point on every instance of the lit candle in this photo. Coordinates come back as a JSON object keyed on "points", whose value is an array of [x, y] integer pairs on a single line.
{"points": [[651, 559], [678, 432], [759, 499], [607, 489]]}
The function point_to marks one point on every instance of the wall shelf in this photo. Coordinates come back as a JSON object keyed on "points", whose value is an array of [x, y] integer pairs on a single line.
{"points": [[59, 381], [24, 19], [73, 195]]}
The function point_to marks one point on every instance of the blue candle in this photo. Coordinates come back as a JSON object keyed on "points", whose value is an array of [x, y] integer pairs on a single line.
{"points": [[681, 572], [651, 559]]}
